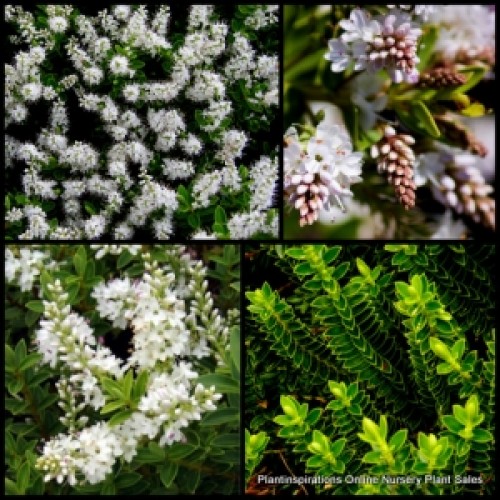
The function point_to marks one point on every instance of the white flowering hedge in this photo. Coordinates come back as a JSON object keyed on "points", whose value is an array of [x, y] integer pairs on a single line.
{"points": [[141, 121], [121, 369]]}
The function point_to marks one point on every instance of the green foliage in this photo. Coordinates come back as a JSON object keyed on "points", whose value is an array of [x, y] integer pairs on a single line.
{"points": [[207, 462], [384, 374]]}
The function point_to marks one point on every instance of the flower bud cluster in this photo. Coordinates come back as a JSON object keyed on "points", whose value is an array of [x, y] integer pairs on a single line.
{"points": [[319, 173], [396, 159]]}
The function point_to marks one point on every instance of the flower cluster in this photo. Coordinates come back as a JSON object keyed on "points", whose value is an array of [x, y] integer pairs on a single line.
{"points": [[457, 183], [404, 81], [388, 41], [133, 130], [395, 158], [175, 328], [320, 172]]}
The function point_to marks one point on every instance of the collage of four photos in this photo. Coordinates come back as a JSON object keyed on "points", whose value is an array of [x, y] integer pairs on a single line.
{"points": [[249, 249]]}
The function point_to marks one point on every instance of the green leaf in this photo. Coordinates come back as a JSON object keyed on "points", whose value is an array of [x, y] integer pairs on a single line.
{"points": [[452, 424], [303, 269], [222, 383], [475, 110], [120, 417], [113, 388], [482, 436], [320, 444], [108, 488], [363, 269], [226, 440], [179, 450], [402, 289], [337, 447], [30, 360], [72, 290], [124, 259], [221, 416], [23, 477], [194, 221], [15, 386], [476, 74], [80, 261], [35, 305], [111, 407], [10, 358], [341, 270], [157, 450], [127, 479], [20, 352], [220, 215], [31, 317], [372, 457], [444, 369], [140, 385], [11, 488], [313, 416], [295, 253], [315, 462], [398, 439], [444, 326], [127, 382], [424, 119], [168, 473], [331, 254], [235, 347]]}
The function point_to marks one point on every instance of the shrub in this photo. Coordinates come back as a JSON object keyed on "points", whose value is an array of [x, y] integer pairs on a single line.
{"points": [[121, 370], [366, 363], [141, 121]]}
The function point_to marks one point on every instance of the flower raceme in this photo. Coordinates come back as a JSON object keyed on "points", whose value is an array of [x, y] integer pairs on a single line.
{"points": [[175, 324], [319, 173], [387, 41]]}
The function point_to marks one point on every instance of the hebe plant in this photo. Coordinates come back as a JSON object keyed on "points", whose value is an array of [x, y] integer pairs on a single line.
{"points": [[121, 370], [141, 121], [374, 361]]}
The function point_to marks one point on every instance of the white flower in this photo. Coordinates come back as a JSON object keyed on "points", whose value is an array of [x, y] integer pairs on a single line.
{"points": [[467, 29], [31, 91], [385, 42], [119, 65], [58, 24], [319, 174], [368, 94], [121, 12]]}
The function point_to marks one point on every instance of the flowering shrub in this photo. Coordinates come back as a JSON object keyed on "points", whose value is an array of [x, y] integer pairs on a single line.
{"points": [[370, 369], [121, 370], [140, 121], [380, 106]]}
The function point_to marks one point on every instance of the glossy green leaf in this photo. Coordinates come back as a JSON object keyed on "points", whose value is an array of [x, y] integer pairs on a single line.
{"points": [[80, 260], [168, 472], [127, 479], [235, 347], [222, 383], [120, 417], [221, 416], [23, 477], [226, 440], [452, 424], [179, 450], [35, 305], [111, 407]]}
